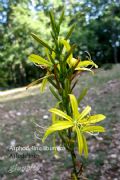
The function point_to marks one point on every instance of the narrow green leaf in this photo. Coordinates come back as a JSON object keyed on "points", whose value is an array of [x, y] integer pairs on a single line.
{"points": [[43, 85], [34, 83], [43, 43], [61, 17], [80, 140], [61, 114], [67, 85], [93, 129], [52, 82], [53, 24], [70, 31], [82, 95], [74, 84], [52, 58], [74, 105], [84, 113], [38, 81], [59, 125], [57, 28], [54, 93], [39, 60], [54, 38], [85, 146]]}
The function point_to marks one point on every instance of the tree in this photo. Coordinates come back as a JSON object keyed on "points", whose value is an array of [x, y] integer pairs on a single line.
{"points": [[16, 29], [98, 30]]}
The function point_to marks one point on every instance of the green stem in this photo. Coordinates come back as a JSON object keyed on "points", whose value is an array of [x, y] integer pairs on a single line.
{"points": [[74, 165], [71, 148]]}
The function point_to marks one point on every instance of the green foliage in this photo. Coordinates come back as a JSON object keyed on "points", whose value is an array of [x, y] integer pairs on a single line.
{"points": [[96, 26], [70, 124], [98, 30], [16, 44]]}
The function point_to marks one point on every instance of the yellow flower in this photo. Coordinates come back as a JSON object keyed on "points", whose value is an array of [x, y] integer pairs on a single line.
{"points": [[82, 65], [81, 123]]}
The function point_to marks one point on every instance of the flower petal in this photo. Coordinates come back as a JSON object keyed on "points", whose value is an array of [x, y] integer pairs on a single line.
{"points": [[80, 140], [59, 125], [66, 44], [93, 129], [61, 114], [87, 63], [93, 119], [85, 146], [74, 105], [67, 47], [84, 113]]}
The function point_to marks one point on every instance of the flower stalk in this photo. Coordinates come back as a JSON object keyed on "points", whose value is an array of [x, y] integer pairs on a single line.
{"points": [[62, 68]]}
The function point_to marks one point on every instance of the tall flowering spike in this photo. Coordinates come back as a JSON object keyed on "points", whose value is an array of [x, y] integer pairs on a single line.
{"points": [[61, 68]]}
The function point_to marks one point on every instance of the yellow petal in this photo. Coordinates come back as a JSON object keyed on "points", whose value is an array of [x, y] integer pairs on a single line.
{"points": [[93, 129], [61, 114], [67, 47], [80, 141], [66, 44], [85, 147], [93, 119], [84, 113], [74, 105], [72, 62], [87, 63], [59, 125]]}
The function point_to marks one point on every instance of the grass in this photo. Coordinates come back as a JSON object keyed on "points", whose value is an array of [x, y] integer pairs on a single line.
{"points": [[20, 108]]}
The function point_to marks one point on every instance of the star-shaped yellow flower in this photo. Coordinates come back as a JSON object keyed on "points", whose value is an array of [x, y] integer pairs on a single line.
{"points": [[80, 123]]}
